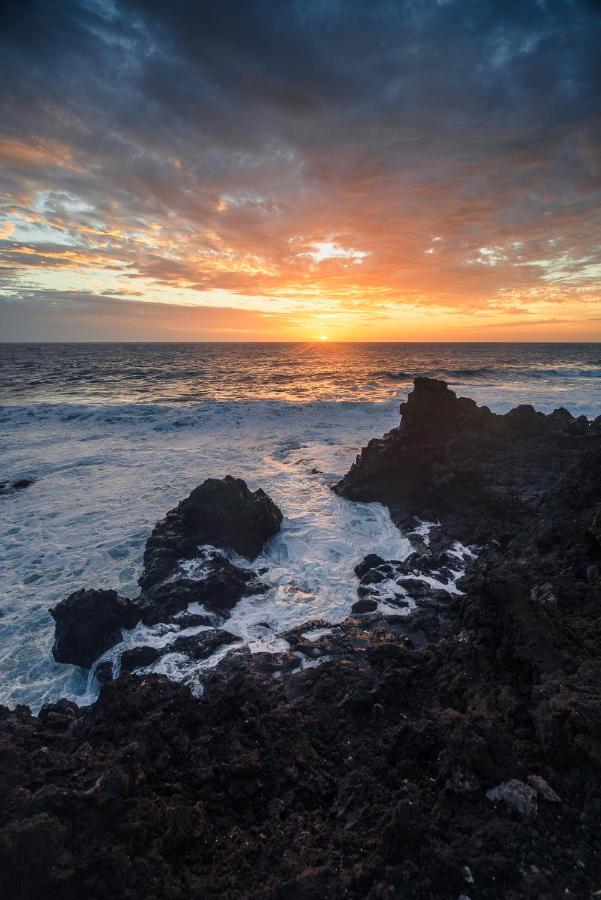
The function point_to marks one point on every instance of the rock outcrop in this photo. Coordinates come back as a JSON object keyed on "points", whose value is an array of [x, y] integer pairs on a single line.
{"points": [[19, 484], [461, 760], [478, 473], [88, 623], [223, 513], [218, 588]]}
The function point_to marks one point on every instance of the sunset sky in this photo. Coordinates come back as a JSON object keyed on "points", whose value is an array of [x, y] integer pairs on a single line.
{"points": [[290, 169]]}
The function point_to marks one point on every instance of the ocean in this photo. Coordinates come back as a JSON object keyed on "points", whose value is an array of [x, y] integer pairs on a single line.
{"points": [[115, 434]]}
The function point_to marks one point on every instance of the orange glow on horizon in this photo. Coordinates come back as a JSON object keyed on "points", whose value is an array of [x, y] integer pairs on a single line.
{"points": [[291, 278]]}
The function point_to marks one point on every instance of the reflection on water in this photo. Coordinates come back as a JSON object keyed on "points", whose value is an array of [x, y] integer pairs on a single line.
{"points": [[116, 434], [183, 373]]}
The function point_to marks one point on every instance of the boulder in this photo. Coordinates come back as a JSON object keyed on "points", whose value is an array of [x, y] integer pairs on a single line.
{"points": [[373, 576], [138, 657], [220, 512], [8, 487], [365, 605], [192, 620], [371, 561], [88, 623], [221, 586], [201, 645], [516, 794]]}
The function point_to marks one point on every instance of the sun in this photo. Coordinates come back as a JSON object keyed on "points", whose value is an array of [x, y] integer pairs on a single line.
{"points": [[323, 337]]}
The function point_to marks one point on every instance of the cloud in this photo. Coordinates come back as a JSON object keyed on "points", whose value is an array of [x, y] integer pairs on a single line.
{"points": [[223, 146], [77, 316]]}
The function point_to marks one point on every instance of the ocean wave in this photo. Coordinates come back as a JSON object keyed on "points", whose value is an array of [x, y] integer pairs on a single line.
{"points": [[500, 373], [397, 376], [472, 373], [172, 415], [441, 373]]}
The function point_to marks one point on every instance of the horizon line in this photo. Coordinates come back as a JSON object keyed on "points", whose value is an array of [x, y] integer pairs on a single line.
{"points": [[317, 341]]}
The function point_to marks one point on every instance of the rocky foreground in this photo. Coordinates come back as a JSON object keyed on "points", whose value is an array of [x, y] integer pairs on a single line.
{"points": [[448, 745]]}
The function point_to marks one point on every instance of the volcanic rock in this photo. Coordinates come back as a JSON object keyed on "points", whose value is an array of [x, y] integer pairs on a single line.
{"points": [[88, 623], [191, 620], [196, 646], [451, 460], [364, 776], [219, 588], [139, 657], [222, 513], [371, 561], [516, 794], [365, 605], [201, 645], [8, 487], [104, 671]]}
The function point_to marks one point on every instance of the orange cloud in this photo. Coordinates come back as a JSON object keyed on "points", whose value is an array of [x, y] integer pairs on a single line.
{"points": [[41, 152]]}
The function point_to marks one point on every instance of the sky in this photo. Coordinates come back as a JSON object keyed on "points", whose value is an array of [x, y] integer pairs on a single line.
{"points": [[300, 169]]}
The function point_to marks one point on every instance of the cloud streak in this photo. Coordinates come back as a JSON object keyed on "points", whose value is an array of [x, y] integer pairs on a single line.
{"points": [[331, 157]]}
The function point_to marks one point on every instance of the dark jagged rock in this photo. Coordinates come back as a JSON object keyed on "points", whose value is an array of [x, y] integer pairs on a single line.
{"points": [[223, 513], [365, 605], [139, 657], [415, 762], [196, 646], [9, 487], [373, 576], [453, 461], [191, 620], [88, 623], [371, 561], [219, 588], [104, 671], [202, 645]]}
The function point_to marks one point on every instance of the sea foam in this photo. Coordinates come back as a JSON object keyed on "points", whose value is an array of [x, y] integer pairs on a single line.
{"points": [[105, 475]]}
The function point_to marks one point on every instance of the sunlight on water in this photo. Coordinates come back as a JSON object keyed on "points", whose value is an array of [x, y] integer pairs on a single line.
{"points": [[116, 434], [323, 370]]}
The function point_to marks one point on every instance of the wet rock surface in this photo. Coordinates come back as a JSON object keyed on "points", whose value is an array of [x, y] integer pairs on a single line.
{"points": [[178, 571], [450, 751], [478, 473], [19, 484], [196, 646], [220, 512], [88, 622], [218, 587]]}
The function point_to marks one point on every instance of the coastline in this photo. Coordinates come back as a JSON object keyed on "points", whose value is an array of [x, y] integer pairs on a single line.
{"points": [[464, 760]]}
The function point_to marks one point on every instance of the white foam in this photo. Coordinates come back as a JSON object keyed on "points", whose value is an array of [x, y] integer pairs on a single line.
{"points": [[317, 633], [105, 475]]}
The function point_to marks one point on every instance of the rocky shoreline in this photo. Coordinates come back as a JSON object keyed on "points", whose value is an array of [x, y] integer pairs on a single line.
{"points": [[443, 741]]}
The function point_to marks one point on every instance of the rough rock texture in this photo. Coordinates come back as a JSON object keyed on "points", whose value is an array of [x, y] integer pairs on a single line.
{"points": [[224, 513], [88, 623], [9, 487], [468, 765], [219, 589], [197, 646], [479, 473]]}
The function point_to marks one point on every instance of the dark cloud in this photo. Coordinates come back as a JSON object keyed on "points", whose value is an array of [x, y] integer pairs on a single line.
{"points": [[211, 145]]}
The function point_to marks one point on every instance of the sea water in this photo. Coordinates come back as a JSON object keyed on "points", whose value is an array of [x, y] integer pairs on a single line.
{"points": [[116, 434]]}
